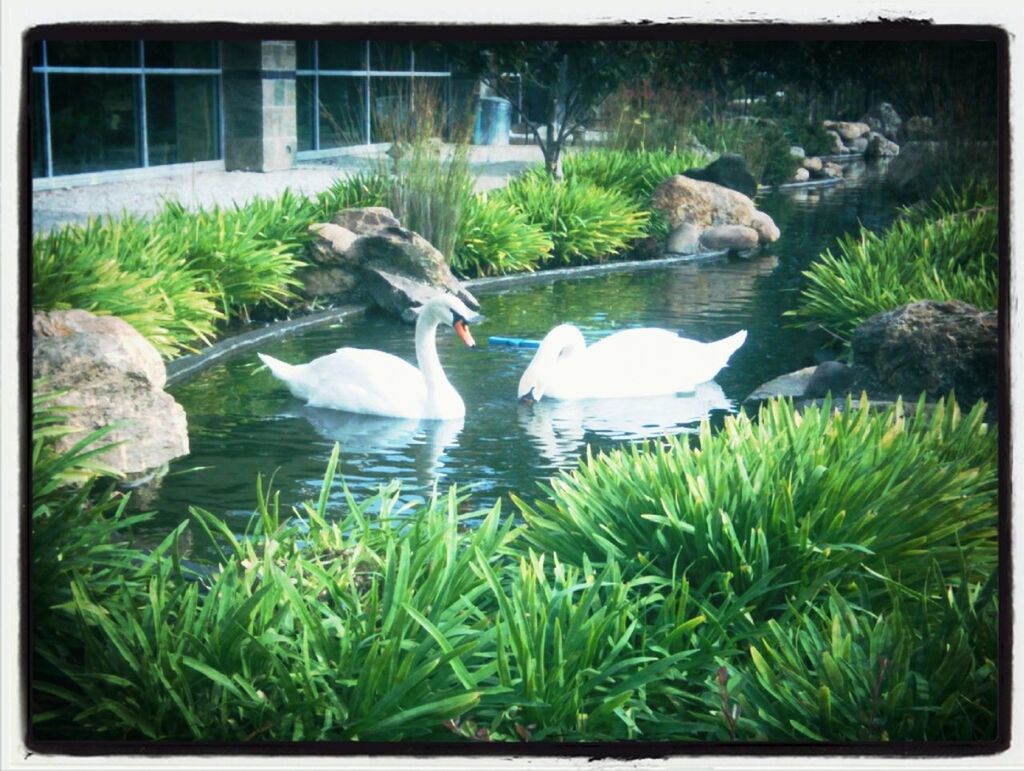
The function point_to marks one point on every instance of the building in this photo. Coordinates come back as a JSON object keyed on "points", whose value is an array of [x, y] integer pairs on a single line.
{"points": [[103, 106]]}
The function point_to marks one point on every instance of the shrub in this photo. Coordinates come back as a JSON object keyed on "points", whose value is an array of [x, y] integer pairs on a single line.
{"points": [[762, 144], [945, 249], [127, 269], [771, 510], [634, 173], [585, 223], [495, 239], [366, 188]]}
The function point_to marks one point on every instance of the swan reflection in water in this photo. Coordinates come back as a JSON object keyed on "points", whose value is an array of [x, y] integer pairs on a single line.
{"points": [[421, 442], [558, 428]]}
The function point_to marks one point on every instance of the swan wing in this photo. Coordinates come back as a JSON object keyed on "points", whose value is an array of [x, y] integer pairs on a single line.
{"points": [[641, 362], [364, 381]]}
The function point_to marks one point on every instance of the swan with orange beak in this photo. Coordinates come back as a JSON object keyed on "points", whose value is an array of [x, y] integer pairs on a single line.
{"points": [[373, 382]]}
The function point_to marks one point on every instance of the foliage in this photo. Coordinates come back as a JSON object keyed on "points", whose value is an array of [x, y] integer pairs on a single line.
{"points": [[584, 222], [771, 510], [127, 269], [763, 145], [945, 249], [365, 188], [495, 239], [640, 117], [633, 173]]}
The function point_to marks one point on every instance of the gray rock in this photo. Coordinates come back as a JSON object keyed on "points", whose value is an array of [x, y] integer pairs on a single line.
{"points": [[332, 243], [792, 385], [884, 119], [801, 175], [880, 147], [829, 376], [837, 142], [767, 231], [734, 237], [850, 130], [684, 239], [728, 171], [812, 164], [113, 376], [935, 347], [366, 220], [857, 144], [829, 170], [397, 294], [797, 152], [402, 252], [330, 281]]}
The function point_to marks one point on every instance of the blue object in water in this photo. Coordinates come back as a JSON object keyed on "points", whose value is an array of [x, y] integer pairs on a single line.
{"points": [[514, 342]]}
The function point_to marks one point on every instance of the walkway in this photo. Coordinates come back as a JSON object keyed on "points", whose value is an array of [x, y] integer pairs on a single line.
{"points": [[492, 166]]}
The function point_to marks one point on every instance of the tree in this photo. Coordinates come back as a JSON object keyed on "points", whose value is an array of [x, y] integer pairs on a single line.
{"points": [[575, 77]]}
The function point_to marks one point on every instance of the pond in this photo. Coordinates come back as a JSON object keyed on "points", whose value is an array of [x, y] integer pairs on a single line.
{"points": [[242, 422]]}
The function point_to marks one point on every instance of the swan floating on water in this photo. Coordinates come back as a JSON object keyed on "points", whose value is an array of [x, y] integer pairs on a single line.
{"points": [[634, 362], [372, 382]]}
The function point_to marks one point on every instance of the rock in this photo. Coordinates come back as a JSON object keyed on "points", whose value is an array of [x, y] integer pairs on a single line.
{"points": [[329, 281], [797, 152], [397, 294], [829, 170], [684, 239], [919, 127], [728, 171], [366, 220], [736, 238], [792, 385], [112, 375], [931, 346], [331, 244], [801, 175], [849, 130], [812, 164], [880, 147], [884, 119], [857, 145], [767, 231], [837, 143], [704, 204], [829, 376]]}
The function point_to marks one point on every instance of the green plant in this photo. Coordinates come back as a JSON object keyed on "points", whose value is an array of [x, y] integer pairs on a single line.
{"points": [[633, 173], [127, 269], [945, 249], [494, 239], [365, 188], [771, 510], [585, 223], [763, 145]]}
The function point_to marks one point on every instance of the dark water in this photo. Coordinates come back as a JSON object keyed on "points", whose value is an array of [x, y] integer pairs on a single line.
{"points": [[243, 423]]}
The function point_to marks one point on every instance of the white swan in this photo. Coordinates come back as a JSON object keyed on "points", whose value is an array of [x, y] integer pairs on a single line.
{"points": [[635, 362], [376, 383]]}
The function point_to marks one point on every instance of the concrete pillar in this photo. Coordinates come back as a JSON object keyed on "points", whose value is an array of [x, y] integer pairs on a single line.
{"points": [[260, 127]]}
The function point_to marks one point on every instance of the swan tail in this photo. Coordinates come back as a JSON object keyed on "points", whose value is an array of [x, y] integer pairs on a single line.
{"points": [[727, 346]]}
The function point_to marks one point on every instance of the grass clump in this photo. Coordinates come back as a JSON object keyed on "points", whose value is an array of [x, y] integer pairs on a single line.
{"points": [[585, 223], [494, 239], [634, 173], [944, 249]]}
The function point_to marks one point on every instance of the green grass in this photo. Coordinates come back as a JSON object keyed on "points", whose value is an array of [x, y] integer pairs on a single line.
{"points": [[944, 249], [813, 576], [634, 173]]}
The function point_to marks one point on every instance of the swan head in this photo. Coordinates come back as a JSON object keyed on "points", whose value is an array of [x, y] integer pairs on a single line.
{"points": [[449, 310], [558, 345]]}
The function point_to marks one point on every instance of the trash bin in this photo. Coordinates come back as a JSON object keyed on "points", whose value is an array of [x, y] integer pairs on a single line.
{"points": [[493, 121]]}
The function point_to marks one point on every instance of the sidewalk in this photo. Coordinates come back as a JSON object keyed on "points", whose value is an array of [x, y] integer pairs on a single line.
{"points": [[492, 166]]}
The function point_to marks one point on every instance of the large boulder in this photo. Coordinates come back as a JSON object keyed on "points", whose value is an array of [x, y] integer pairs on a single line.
{"points": [[684, 200], [331, 243], [931, 346], [365, 220], [728, 171], [883, 119], [857, 144], [880, 147], [112, 375], [848, 130]]}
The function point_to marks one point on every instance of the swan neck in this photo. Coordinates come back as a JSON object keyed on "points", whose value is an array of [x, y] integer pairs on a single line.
{"points": [[426, 356]]}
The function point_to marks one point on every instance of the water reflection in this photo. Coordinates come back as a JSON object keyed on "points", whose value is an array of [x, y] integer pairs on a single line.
{"points": [[558, 428], [423, 442]]}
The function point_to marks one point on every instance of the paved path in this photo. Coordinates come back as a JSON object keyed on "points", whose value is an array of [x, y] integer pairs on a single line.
{"points": [[50, 208]]}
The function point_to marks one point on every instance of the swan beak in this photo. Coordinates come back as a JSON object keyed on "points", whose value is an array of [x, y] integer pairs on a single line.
{"points": [[528, 398], [462, 330]]}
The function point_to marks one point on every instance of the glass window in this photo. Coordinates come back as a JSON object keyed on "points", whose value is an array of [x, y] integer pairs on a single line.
{"points": [[181, 118], [200, 54], [37, 54], [304, 111], [342, 111], [79, 53], [303, 54], [94, 122], [429, 57], [390, 116], [38, 129], [389, 56], [342, 55]]}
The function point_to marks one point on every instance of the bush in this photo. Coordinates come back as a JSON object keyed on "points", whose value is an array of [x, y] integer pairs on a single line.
{"points": [[633, 173], [366, 188], [762, 144], [585, 223], [945, 249], [494, 239]]}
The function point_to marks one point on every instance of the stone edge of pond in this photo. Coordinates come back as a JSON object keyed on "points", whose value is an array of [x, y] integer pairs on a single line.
{"points": [[185, 367], [802, 185]]}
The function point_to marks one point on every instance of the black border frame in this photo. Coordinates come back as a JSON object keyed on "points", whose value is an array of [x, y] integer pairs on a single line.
{"points": [[884, 30]]}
